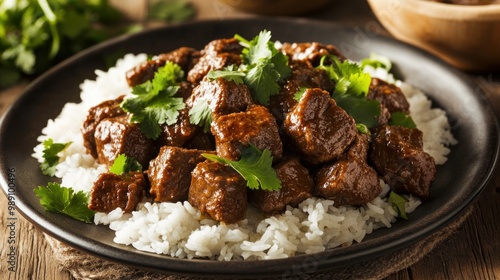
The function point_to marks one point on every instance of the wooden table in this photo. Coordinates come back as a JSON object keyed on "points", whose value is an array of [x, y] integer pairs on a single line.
{"points": [[470, 253]]}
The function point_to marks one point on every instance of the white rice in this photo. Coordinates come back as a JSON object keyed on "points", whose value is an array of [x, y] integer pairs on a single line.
{"points": [[179, 229]]}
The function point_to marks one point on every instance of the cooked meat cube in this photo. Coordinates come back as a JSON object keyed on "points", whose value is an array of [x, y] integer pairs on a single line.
{"points": [[223, 96], [114, 136], [255, 126], [397, 154], [216, 55], [201, 141], [296, 186], [303, 75], [310, 51], [106, 109], [390, 96], [111, 191], [169, 173], [178, 133], [349, 180], [319, 129], [185, 57], [219, 191]]}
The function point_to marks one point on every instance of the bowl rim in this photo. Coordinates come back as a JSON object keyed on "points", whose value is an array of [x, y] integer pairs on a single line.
{"points": [[487, 12]]}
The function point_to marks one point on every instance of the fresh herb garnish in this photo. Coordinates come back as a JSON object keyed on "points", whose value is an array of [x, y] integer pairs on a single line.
{"points": [[229, 73], [155, 103], [201, 114], [402, 119], [298, 95], [124, 164], [50, 157], [376, 61], [352, 85], [255, 167], [59, 199], [398, 203]]}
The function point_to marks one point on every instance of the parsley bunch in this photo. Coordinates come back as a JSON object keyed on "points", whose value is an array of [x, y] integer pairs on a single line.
{"points": [[155, 103], [35, 34]]}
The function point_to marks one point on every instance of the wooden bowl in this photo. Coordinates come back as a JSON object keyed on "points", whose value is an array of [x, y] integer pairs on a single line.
{"points": [[467, 37], [277, 7]]}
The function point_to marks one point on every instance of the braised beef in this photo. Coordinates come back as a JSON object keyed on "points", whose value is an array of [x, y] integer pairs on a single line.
{"points": [[349, 180], [296, 186], [319, 129], [114, 136], [304, 75], [184, 57], [106, 109], [179, 133], [310, 51], [216, 55], [111, 191], [397, 155], [255, 126], [169, 173], [390, 97], [223, 96], [218, 191]]}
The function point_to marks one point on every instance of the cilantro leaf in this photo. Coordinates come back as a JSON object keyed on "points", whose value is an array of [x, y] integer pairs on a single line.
{"points": [[376, 61], [201, 114], [155, 103], [351, 88], [229, 73], [50, 157], [298, 95], [124, 164], [398, 204], [58, 199], [255, 167], [402, 119], [264, 66]]}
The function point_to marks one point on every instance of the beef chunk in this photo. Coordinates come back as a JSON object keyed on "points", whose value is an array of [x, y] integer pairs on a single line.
{"points": [[185, 57], [297, 185], [310, 51], [237, 130], [216, 55], [106, 109], [397, 155], [223, 96], [114, 136], [303, 75], [319, 129], [349, 180], [169, 173], [179, 133], [390, 97], [111, 191], [219, 191]]}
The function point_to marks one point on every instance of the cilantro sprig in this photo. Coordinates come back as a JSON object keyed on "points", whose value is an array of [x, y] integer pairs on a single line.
{"points": [[124, 164], [155, 103], [254, 166], [398, 203], [201, 114], [402, 119], [50, 156], [59, 199], [351, 89]]}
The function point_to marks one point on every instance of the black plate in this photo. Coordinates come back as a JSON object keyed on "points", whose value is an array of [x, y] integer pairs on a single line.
{"points": [[458, 182]]}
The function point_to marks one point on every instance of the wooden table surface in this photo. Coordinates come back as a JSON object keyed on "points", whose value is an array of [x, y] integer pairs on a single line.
{"points": [[473, 252]]}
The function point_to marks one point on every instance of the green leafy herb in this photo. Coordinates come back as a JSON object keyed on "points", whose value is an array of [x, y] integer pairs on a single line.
{"points": [[201, 114], [376, 61], [255, 167], [230, 73], [155, 103], [124, 164], [363, 129], [171, 11], [58, 199], [50, 157], [264, 66], [398, 204], [402, 119], [36, 34], [298, 95], [352, 85]]}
